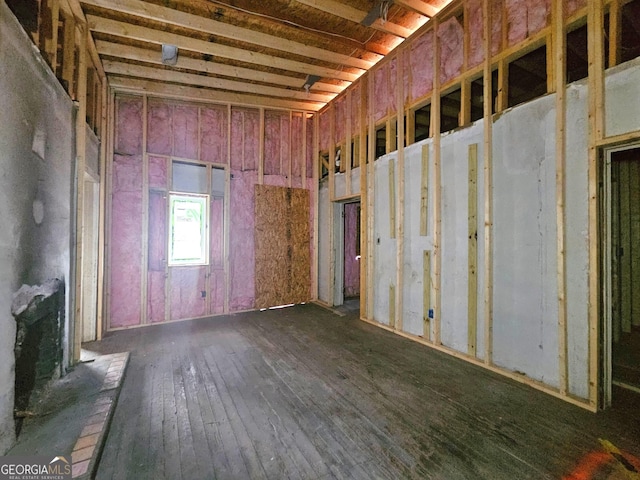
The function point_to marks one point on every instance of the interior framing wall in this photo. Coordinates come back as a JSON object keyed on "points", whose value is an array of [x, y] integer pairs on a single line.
{"points": [[433, 250], [255, 146]]}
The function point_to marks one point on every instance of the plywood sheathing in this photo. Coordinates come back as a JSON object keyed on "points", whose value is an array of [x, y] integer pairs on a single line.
{"points": [[281, 246]]}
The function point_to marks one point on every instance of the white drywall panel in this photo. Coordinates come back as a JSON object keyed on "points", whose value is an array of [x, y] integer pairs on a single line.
{"points": [[455, 236], [340, 185], [414, 243], [324, 244], [36, 158], [577, 239], [355, 181], [622, 98], [525, 307], [384, 247]]}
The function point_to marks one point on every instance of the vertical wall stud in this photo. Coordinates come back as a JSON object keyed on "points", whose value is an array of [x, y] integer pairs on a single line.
{"points": [[426, 294], [472, 298], [437, 201], [261, 150], [401, 191], [424, 192], [392, 199], [145, 214]]}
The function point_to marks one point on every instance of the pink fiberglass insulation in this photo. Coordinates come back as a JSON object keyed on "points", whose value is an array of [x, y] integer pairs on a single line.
{"points": [[241, 244], [159, 131], [157, 231], [351, 263], [129, 126], [186, 287], [355, 110], [285, 145], [276, 180], [213, 135], [381, 92], [157, 245], [451, 37], [573, 6], [476, 33], [237, 139], [216, 227], [526, 18], [157, 172], [296, 148], [324, 130], [217, 291], [406, 75], [126, 246], [273, 136], [310, 148], [497, 7], [251, 139], [185, 131], [392, 101], [421, 65], [156, 297], [340, 109]]}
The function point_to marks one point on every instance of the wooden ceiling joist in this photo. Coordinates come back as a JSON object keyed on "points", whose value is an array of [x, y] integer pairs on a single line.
{"points": [[418, 6], [183, 92], [151, 73], [150, 56], [212, 27], [347, 12], [116, 28]]}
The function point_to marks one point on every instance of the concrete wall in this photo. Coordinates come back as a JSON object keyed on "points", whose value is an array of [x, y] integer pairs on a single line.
{"points": [[36, 158]]}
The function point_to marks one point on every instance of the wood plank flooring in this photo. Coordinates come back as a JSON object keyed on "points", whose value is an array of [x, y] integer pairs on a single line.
{"points": [[302, 393]]}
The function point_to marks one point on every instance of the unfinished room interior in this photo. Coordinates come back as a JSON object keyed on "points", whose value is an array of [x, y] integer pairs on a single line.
{"points": [[317, 239]]}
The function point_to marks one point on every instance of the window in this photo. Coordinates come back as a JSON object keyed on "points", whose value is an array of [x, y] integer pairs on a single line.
{"points": [[577, 59], [450, 106], [630, 31], [188, 238], [422, 121], [381, 141]]}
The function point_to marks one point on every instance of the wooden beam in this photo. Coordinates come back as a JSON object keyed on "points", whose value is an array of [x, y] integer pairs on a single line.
{"points": [[174, 76], [68, 54], [316, 206], [488, 187], [114, 27], [51, 44], [81, 147], [595, 23], [105, 146], [364, 198], [418, 6], [437, 200], [144, 241], [346, 154], [558, 43], [220, 29], [183, 92], [151, 56], [392, 307], [426, 294], [472, 250], [424, 192], [261, 148], [392, 199], [401, 189], [342, 10]]}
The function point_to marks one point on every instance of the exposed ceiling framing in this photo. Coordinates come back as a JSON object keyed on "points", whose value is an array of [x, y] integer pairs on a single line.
{"points": [[242, 51]]}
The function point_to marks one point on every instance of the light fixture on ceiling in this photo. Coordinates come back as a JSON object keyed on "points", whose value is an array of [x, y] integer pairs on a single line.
{"points": [[169, 54], [310, 80], [379, 11]]}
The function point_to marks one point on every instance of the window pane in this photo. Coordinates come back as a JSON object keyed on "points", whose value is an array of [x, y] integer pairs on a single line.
{"points": [[188, 243]]}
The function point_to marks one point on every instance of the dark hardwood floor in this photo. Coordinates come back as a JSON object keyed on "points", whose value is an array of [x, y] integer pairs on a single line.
{"points": [[303, 393]]}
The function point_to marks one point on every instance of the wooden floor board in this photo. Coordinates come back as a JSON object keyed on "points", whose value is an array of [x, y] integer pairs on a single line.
{"points": [[302, 393]]}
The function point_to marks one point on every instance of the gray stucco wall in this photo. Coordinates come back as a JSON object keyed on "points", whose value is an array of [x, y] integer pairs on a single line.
{"points": [[36, 158]]}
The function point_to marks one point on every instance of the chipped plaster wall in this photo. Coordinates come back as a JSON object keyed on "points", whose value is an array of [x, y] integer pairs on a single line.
{"points": [[36, 159]]}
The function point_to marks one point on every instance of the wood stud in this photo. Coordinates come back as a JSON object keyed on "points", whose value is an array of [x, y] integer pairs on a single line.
{"points": [[472, 297]]}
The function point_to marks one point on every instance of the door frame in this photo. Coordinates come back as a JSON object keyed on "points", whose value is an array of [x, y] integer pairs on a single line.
{"points": [[338, 246], [606, 328]]}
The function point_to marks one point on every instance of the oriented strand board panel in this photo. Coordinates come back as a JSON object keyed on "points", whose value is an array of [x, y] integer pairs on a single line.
{"points": [[282, 261]]}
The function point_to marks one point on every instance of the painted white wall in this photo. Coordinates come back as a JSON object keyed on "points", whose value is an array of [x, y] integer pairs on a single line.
{"points": [[36, 158], [622, 98]]}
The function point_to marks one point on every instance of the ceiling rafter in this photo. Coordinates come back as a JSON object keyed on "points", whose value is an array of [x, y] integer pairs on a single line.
{"points": [[174, 76], [137, 54], [116, 28], [186, 20], [183, 92], [418, 6]]}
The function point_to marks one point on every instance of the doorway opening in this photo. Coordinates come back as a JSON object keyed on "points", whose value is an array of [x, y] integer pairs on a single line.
{"points": [[347, 259], [622, 270]]}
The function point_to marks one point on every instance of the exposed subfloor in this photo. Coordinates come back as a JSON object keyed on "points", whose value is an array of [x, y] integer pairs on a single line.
{"points": [[304, 393]]}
